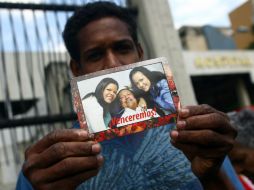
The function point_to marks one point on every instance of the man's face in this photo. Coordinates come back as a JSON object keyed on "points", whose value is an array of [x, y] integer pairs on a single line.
{"points": [[127, 99], [105, 43]]}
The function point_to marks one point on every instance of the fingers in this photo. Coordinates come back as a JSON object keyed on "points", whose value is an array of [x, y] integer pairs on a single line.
{"points": [[201, 151], [204, 117], [60, 156], [65, 168], [60, 151], [206, 138], [212, 121], [70, 182], [62, 172], [63, 135], [188, 111]]}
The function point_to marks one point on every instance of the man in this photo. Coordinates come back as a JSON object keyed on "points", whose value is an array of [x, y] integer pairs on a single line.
{"points": [[242, 154], [130, 103], [131, 107], [127, 99], [102, 36]]}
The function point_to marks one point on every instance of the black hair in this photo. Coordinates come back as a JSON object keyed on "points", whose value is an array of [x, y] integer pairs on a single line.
{"points": [[100, 88], [129, 89], [91, 12], [153, 77], [149, 102]]}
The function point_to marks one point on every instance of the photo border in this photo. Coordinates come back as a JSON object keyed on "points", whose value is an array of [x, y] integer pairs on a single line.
{"points": [[131, 128]]}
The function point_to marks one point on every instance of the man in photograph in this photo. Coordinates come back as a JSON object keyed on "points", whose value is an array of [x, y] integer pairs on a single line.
{"points": [[129, 102], [134, 110], [100, 36]]}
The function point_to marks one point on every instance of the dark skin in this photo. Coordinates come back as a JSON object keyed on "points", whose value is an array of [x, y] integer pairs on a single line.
{"points": [[242, 159], [66, 158], [205, 136], [109, 45]]}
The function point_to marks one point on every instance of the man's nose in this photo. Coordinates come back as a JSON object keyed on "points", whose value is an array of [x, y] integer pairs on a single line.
{"points": [[112, 60]]}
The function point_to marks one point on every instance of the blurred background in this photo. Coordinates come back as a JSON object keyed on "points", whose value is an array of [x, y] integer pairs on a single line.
{"points": [[209, 45]]}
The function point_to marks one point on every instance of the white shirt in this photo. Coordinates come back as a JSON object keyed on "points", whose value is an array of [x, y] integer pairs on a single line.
{"points": [[93, 114]]}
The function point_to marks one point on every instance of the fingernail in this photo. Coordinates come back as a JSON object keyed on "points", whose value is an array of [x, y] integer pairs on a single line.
{"points": [[181, 124], [83, 133], [96, 148], [184, 112], [174, 134], [100, 160]]}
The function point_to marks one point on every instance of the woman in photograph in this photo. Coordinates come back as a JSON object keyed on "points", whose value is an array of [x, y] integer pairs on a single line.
{"points": [[153, 84], [99, 105]]}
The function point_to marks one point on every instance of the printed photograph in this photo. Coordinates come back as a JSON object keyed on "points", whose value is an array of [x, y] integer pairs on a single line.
{"points": [[126, 100]]}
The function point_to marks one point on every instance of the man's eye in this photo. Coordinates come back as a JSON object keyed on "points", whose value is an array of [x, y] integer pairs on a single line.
{"points": [[124, 48], [94, 56]]}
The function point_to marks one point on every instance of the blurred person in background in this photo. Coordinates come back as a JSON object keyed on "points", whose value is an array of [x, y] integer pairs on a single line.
{"points": [[242, 154]]}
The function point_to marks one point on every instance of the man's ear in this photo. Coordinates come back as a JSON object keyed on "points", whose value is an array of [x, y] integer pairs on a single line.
{"points": [[75, 67], [140, 51]]}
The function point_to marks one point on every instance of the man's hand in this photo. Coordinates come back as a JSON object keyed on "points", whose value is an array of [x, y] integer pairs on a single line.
{"points": [[62, 160], [205, 136]]}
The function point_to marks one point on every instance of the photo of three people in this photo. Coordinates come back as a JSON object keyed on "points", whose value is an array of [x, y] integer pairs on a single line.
{"points": [[122, 100]]}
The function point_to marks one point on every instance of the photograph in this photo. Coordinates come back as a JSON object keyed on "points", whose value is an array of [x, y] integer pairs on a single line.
{"points": [[125, 100]]}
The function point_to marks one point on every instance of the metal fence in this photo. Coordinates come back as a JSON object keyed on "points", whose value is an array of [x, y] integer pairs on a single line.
{"points": [[34, 75]]}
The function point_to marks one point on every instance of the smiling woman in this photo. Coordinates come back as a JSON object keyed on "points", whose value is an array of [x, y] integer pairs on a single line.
{"points": [[98, 104], [109, 93], [154, 85]]}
